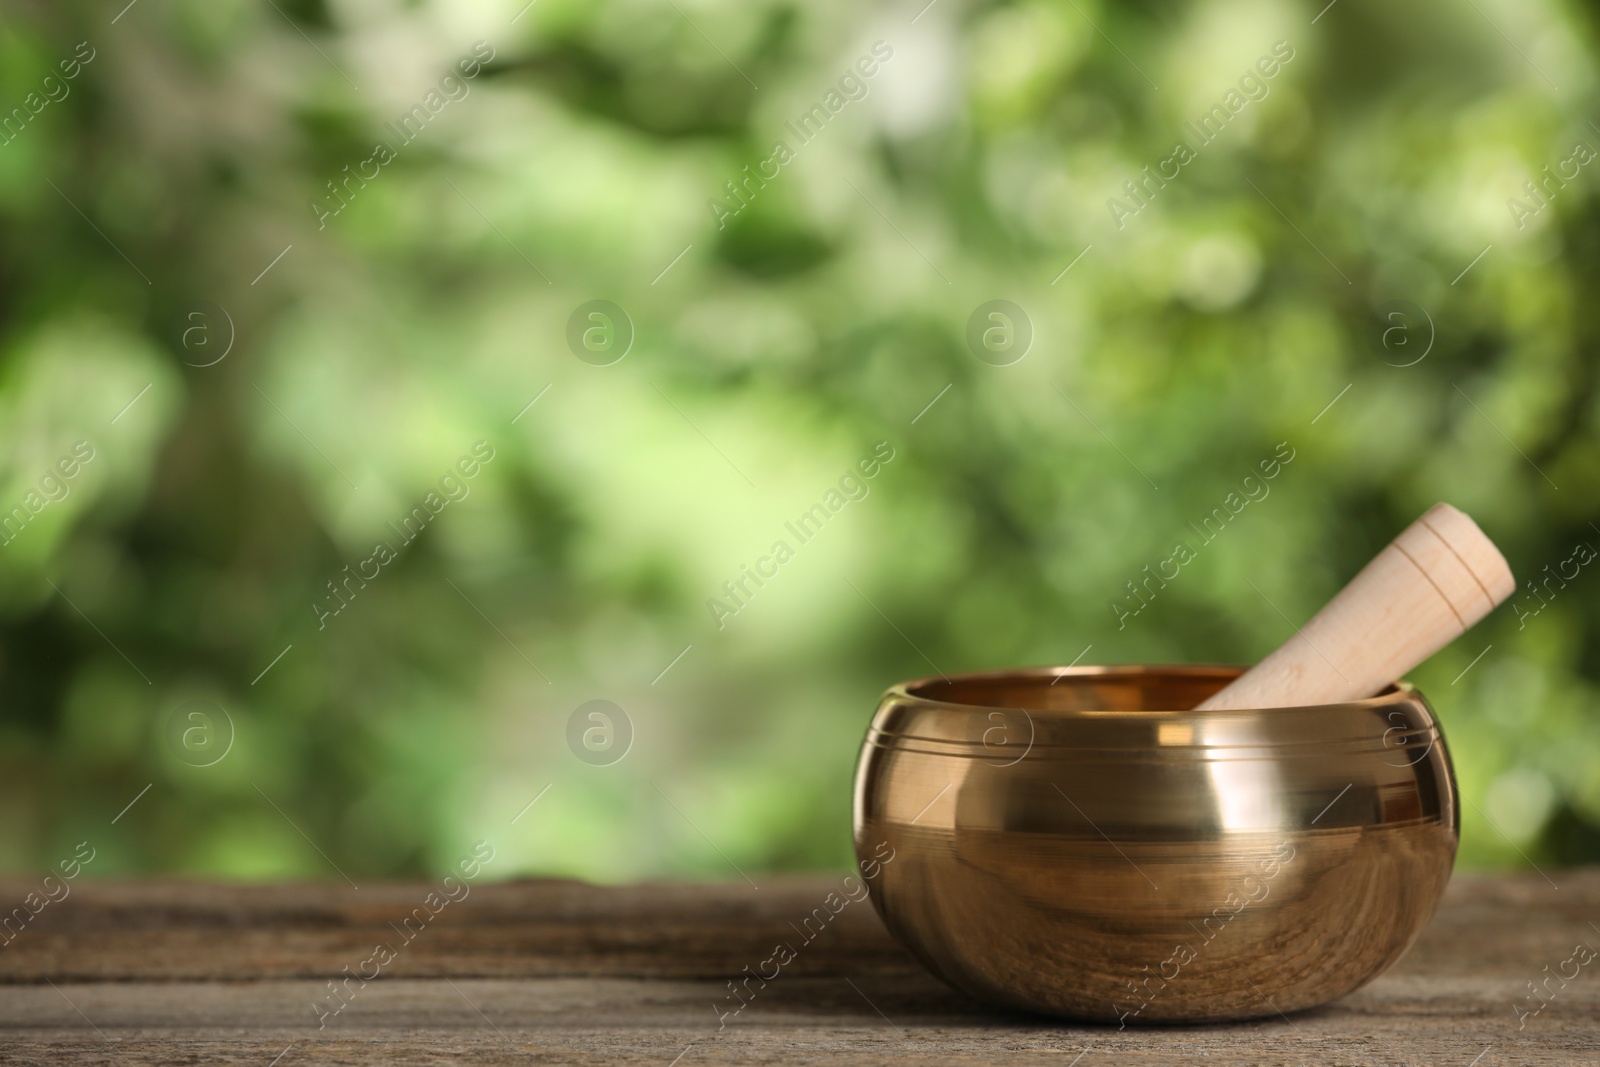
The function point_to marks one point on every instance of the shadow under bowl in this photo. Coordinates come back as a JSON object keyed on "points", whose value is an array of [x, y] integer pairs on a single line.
{"points": [[1077, 842]]}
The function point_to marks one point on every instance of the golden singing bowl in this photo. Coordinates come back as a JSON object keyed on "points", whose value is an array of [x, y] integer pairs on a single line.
{"points": [[1076, 842]]}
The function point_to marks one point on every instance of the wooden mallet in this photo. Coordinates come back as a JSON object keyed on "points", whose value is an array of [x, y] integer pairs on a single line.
{"points": [[1425, 589]]}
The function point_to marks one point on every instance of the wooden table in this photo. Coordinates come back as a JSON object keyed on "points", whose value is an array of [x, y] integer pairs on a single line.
{"points": [[562, 972]]}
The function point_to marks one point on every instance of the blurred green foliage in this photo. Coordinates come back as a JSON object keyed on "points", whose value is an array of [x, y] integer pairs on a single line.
{"points": [[769, 355]]}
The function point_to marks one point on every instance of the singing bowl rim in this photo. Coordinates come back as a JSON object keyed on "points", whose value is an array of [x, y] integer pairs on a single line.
{"points": [[948, 715], [1397, 691]]}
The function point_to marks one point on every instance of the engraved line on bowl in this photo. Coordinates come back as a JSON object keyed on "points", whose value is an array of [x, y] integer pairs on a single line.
{"points": [[1143, 752]]}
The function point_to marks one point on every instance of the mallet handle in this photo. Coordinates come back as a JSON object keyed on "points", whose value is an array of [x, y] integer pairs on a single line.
{"points": [[1425, 589]]}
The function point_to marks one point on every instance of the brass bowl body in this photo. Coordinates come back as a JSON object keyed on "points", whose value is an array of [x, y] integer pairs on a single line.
{"points": [[1073, 842]]}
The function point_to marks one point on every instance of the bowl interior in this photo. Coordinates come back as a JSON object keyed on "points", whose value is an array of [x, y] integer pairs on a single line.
{"points": [[1161, 689]]}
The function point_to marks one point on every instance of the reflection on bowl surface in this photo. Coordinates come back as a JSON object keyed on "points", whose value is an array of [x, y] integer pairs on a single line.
{"points": [[1076, 842]]}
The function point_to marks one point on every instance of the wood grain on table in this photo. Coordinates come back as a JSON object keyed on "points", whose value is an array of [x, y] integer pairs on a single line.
{"points": [[563, 972]]}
